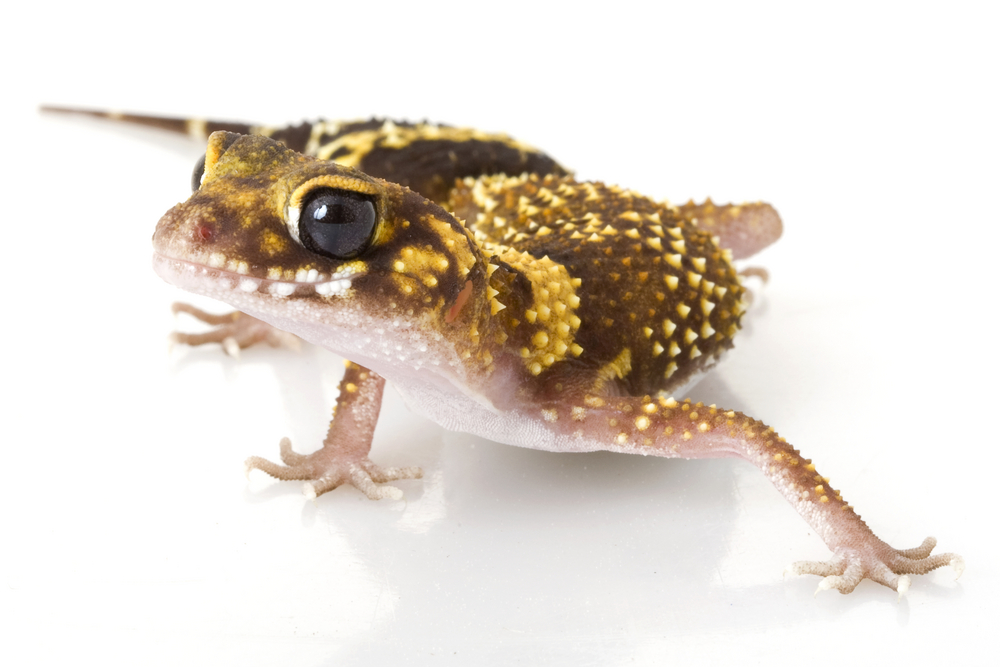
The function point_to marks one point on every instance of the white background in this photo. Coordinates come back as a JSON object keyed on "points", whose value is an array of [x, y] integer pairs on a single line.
{"points": [[129, 533]]}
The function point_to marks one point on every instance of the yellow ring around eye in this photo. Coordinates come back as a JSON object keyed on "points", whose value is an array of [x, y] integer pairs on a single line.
{"points": [[335, 181]]}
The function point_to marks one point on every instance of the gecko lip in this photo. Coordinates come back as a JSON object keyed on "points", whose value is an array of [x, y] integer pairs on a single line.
{"points": [[211, 281]]}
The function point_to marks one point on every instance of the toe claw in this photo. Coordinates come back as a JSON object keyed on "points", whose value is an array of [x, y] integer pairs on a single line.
{"points": [[826, 583], [231, 347], [902, 585], [958, 564]]}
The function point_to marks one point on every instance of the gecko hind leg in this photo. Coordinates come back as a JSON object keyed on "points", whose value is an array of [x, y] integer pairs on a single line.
{"points": [[343, 459], [846, 570], [745, 229], [750, 293], [671, 428], [234, 331]]}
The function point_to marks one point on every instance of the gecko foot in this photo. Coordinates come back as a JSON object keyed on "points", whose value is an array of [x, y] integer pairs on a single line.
{"points": [[234, 331], [328, 468], [882, 564]]}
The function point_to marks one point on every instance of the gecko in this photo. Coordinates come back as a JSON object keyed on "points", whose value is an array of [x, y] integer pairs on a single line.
{"points": [[498, 294]]}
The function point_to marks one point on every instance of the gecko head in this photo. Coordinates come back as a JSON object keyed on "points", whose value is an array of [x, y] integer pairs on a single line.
{"points": [[274, 232]]}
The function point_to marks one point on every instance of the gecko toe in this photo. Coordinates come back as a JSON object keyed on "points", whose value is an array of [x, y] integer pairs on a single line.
{"points": [[362, 480], [289, 456], [276, 470], [818, 568], [315, 488], [380, 474], [922, 551]]}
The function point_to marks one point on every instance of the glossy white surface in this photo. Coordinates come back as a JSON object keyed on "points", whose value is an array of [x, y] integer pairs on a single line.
{"points": [[131, 534]]}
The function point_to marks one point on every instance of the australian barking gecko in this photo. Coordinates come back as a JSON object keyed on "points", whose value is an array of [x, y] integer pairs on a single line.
{"points": [[499, 295]]}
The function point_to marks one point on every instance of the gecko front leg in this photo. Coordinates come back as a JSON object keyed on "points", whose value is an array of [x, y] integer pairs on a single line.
{"points": [[234, 331], [343, 459]]}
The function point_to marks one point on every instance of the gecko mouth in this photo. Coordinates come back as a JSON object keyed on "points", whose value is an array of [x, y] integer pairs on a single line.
{"points": [[217, 281]]}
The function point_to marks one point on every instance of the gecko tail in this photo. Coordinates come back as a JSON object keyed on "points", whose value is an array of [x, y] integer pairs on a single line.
{"points": [[198, 128]]}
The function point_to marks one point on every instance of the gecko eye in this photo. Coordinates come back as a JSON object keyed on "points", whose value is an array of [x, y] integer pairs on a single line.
{"points": [[199, 171], [337, 223]]}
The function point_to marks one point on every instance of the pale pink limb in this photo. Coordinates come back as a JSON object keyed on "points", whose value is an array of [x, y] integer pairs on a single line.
{"points": [[745, 229], [343, 459]]}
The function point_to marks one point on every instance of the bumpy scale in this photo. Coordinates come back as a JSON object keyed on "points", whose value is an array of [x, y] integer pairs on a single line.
{"points": [[534, 309]]}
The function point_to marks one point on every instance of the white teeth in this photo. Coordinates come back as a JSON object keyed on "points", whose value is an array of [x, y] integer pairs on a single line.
{"points": [[334, 287], [303, 276], [218, 273], [281, 289]]}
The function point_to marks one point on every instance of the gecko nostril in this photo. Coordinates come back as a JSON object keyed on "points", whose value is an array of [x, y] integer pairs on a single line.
{"points": [[203, 232]]}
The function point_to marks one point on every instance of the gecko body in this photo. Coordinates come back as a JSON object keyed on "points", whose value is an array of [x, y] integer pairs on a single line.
{"points": [[500, 296]]}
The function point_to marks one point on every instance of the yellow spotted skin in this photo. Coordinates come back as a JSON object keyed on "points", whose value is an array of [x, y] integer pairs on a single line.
{"points": [[626, 295]]}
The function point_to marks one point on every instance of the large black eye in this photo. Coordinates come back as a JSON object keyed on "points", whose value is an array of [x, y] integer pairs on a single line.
{"points": [[199, 171], [337, 223]]}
